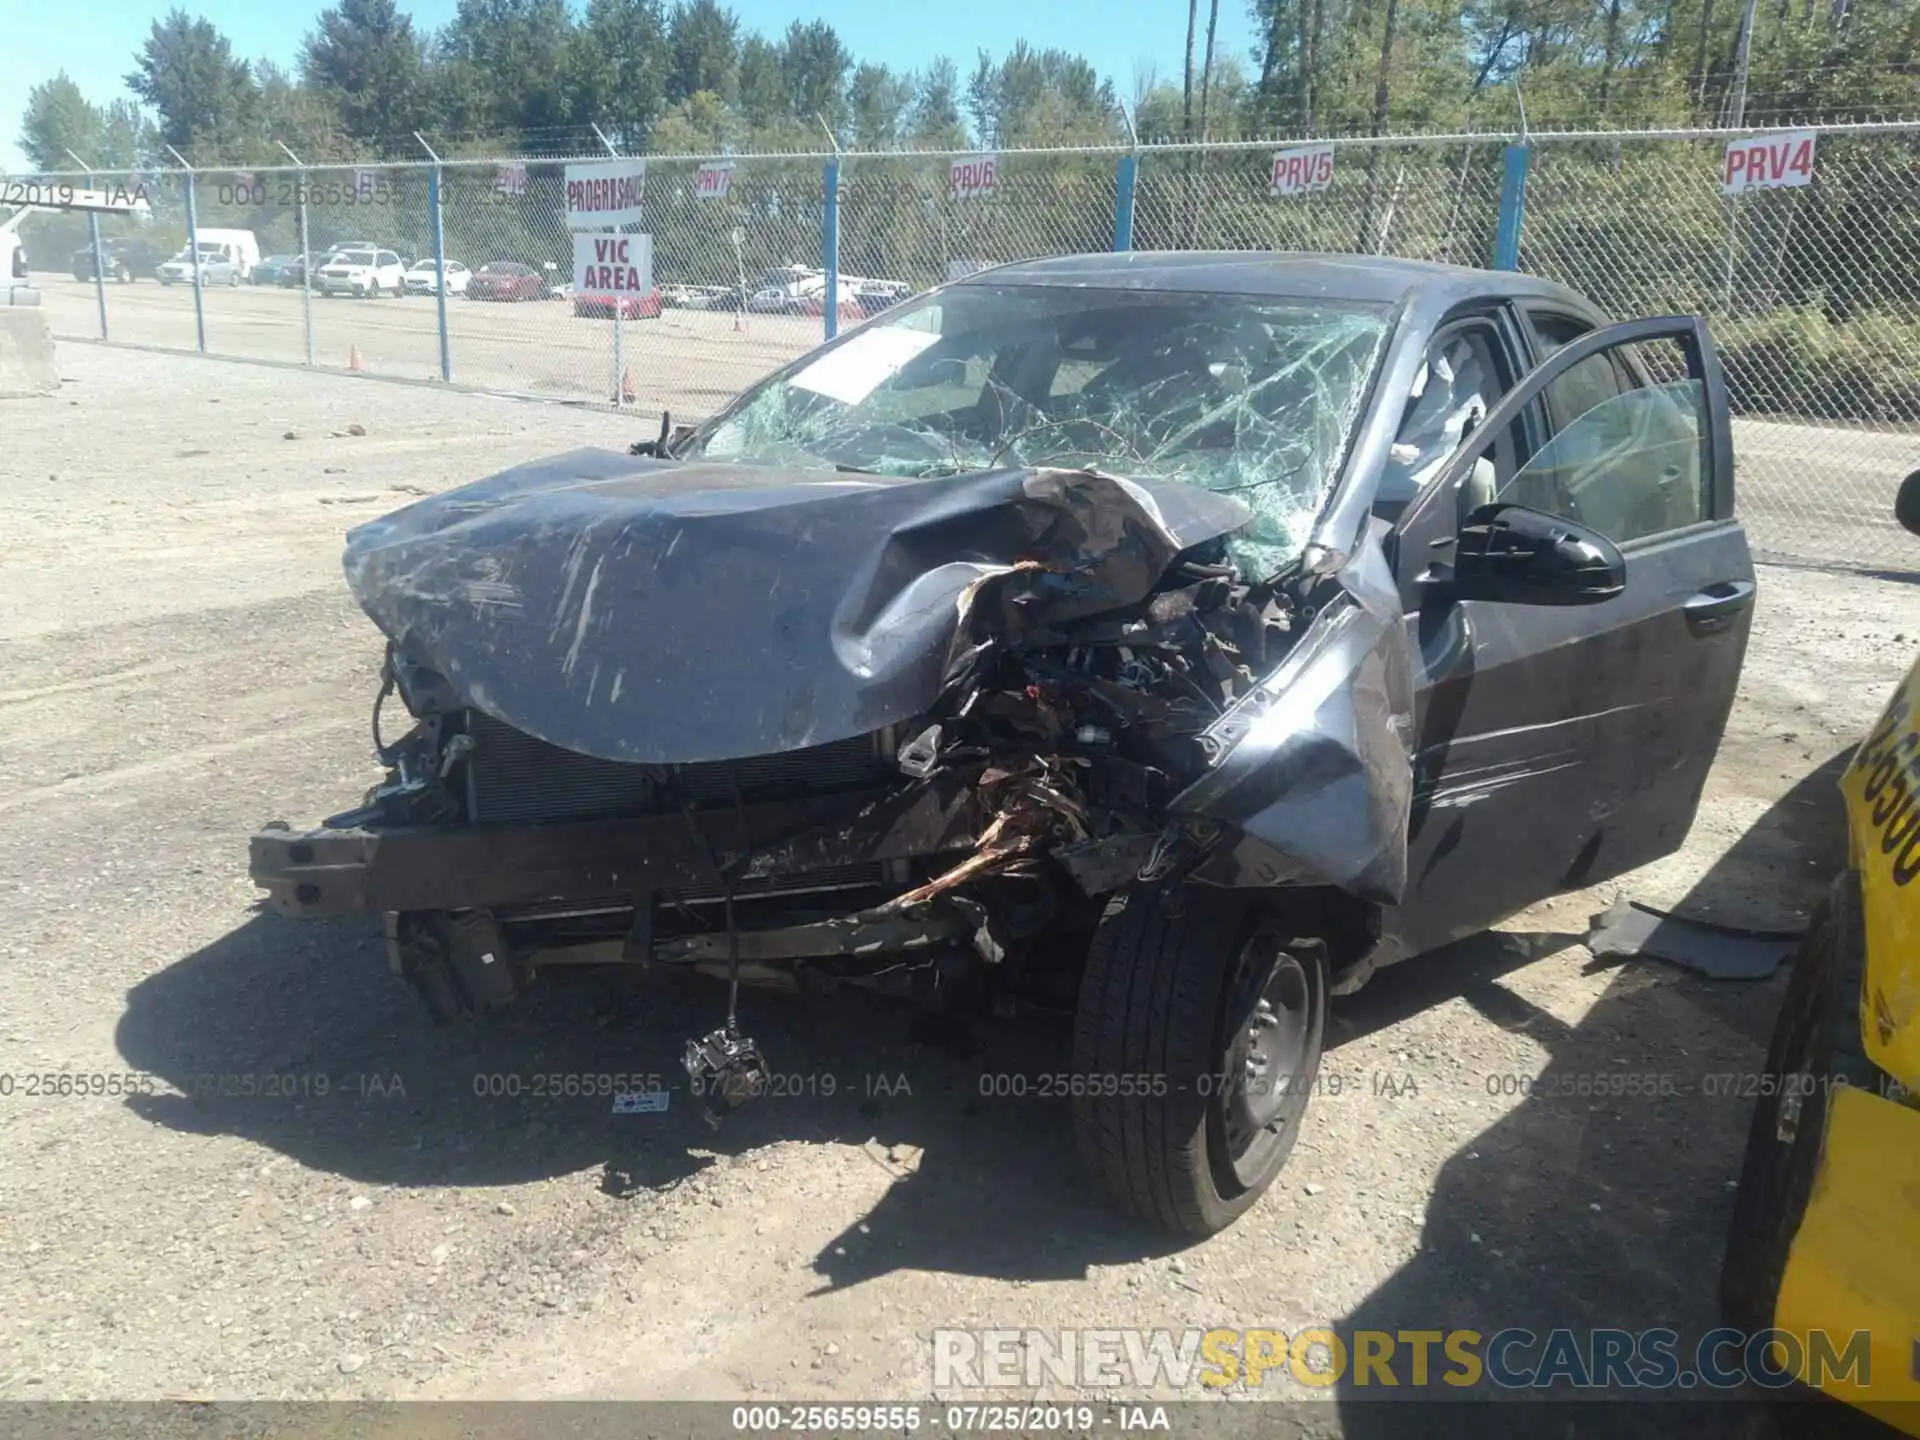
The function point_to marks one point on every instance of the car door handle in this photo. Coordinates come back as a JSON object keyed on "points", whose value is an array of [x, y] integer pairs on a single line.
{"points": [[1714, 607]]}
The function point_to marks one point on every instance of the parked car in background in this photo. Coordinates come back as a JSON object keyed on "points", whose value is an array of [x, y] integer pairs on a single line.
{"points": [[272, 269], [816, 305], [1172, 640], [506, 280], [124, 259], [873, 296], [597, 306], [785, 290], [693, 297], [368, 274], [242, 247], [216, 267], [423, 277]]}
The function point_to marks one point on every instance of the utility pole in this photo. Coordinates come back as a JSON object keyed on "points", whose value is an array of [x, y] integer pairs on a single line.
{"points": [[1743, 56]]}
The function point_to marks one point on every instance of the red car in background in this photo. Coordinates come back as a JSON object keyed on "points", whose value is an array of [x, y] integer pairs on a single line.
{"points": [[506, 280], [605, 305]]}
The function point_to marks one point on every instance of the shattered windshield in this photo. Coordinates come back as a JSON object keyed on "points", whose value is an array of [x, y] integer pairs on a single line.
{"points": [[1252, 397]]}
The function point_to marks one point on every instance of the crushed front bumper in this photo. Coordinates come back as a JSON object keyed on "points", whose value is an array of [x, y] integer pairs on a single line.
{"points": [[329, 872]]}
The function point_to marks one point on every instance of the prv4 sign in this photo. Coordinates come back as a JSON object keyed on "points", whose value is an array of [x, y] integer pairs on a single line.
{"points": [[712, 180], [973, 175], [1768, 162], [1301, 170]]}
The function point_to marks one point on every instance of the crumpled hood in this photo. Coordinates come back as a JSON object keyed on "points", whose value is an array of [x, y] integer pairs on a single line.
{"points": [[666, 612]]}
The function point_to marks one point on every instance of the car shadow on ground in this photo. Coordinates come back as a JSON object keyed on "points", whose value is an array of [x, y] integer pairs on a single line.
{"points": [[295, 1035], [1581, 1209]]}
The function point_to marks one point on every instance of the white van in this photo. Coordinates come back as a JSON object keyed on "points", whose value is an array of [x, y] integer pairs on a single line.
{"points": [[238, 248]]}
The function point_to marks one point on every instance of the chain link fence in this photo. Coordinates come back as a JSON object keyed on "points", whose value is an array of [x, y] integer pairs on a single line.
{"points": [[1813, 290], [1813, 293]]}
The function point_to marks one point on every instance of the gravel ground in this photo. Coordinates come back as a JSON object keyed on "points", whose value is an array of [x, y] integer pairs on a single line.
{"points": [[182, 662]]}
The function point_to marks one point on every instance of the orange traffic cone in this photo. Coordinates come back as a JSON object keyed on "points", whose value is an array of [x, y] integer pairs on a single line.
{"points": [[354, 362]]}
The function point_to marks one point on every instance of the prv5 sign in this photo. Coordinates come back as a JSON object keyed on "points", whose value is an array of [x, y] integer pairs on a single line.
{"points": [[1768, 162], [1301, 170]]}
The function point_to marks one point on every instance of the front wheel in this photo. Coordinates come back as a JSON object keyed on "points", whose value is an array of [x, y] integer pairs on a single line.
{"points": [[1196, 1045]]}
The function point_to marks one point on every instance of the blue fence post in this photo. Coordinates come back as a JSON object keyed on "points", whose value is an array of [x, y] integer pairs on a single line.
{"points": [[99, 265], [440, 268], [1513, 207], [193, 248], [1126, 175], [830, 244]]}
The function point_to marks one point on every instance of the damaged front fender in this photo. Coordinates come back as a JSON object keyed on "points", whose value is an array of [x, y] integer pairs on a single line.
{"points": [[1312, 769]]}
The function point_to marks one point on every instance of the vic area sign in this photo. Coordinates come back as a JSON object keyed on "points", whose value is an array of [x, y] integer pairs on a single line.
{"points": [[1768, 162], [602, 194], [613, 264], [1301, 170]]}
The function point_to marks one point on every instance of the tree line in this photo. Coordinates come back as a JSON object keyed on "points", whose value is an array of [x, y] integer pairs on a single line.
{"points": [[541, 76]]}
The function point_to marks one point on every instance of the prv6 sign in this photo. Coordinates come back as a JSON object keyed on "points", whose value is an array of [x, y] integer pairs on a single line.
{"points": [[973, 175], [613, 264], [712, 180], [1768, 162], [604, 194], [1301, 170]]}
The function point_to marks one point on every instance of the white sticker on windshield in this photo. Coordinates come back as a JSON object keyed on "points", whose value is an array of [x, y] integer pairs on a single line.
{"points": [[865, 363]]}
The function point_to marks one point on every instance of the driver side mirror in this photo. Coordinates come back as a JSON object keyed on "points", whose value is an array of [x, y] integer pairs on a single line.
{"points": [[1906, 505], [1517, 556]]}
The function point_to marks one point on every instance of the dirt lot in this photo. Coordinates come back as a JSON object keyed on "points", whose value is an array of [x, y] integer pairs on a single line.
{"points": [[182, 662]]}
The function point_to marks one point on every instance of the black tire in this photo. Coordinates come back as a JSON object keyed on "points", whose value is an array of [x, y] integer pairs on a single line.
{"points": [[1172, 983], [1816, 1044]]}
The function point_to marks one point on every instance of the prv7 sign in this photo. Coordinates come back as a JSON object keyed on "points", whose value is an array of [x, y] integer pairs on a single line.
{"points": [[1301, 170], [1768, 162], [613, 264], [973, 175], [603, 194], [712, 180]]}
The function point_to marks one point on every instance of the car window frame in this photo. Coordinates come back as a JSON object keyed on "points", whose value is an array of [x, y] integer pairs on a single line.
{"points": [[1512, 359], [1418, 524]]}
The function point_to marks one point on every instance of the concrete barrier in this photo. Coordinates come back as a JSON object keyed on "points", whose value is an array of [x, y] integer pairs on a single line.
{"points": [[26, 353]]}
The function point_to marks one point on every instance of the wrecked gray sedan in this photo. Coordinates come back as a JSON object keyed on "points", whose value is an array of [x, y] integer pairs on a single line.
{"points": [[1173, 638]]}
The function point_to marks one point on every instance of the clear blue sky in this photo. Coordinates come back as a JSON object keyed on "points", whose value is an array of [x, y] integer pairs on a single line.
{"points": [[95, 43]]}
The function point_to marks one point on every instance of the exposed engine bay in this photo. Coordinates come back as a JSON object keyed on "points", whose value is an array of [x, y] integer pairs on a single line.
{"points": [[1073, 740], [1081, 649]]}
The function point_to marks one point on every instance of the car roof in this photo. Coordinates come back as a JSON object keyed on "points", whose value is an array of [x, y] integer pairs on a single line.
{"points": [[1363, 279]]}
